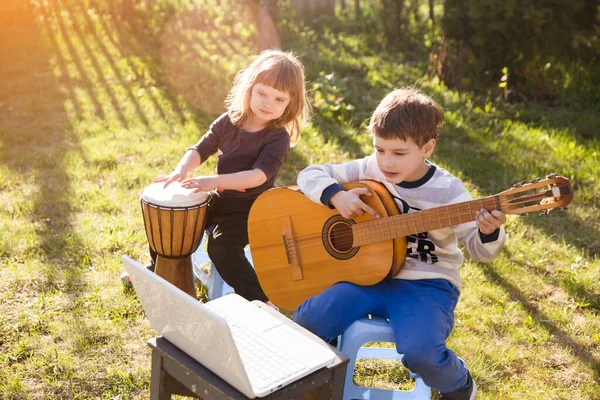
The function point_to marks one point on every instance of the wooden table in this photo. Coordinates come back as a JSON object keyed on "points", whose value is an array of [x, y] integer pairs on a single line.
{"points": [[174, 372]]}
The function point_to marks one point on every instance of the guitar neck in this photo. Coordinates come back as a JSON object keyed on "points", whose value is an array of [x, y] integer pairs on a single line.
{"points": [[380, 229]]}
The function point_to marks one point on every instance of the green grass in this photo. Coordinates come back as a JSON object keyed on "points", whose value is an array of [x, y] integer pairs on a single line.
{"points": [[92, 106]]}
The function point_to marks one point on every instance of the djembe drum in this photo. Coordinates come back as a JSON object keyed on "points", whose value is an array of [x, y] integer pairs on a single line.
{"points": [[174, 219]]}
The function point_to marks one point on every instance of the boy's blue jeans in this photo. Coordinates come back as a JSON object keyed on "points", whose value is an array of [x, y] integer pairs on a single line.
{"points": [[421, 313]]}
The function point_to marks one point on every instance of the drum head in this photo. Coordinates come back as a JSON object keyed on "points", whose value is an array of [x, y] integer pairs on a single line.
{"points": [[172, 196]]}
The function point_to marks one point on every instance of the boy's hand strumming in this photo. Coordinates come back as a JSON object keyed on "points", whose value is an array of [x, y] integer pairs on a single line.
{"points": [[349, 204], [488, 222]]}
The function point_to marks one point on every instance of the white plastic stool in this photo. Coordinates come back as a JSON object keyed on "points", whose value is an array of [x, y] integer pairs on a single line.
{"points": [[351, 341], [214, 283]]}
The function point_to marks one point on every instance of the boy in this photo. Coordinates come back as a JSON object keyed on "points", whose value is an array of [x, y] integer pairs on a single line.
{"points": [[420, 300]]}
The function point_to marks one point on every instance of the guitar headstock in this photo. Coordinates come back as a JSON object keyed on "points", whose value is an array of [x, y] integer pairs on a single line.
{"points": [[537, 195]]}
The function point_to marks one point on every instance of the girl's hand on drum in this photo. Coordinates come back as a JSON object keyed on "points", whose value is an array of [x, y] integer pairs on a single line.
{"points": [[200, 183], [172, 177]]}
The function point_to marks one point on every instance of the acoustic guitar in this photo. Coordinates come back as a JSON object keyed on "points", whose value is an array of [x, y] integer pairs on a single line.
{"points": [[300, 248]]}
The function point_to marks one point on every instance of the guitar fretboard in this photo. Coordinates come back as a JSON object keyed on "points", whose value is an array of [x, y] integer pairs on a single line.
{"points": [[380, 229]]}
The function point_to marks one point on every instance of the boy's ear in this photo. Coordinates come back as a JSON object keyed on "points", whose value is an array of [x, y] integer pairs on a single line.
{"points": [[428, 147]]}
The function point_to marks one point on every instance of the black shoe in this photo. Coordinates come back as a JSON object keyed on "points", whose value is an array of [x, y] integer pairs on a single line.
{"points": [[333, 342], [467, 393], [151, 266]]}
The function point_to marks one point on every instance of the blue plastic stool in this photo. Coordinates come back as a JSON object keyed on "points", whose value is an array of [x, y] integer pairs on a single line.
{"points": [[351, 341], [214, 283]]}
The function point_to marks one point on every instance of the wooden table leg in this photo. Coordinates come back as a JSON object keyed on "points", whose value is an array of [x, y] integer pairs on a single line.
{"points": [[338, 382], [158, 387]]}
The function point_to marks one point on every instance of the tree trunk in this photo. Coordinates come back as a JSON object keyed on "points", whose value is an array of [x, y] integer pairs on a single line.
{"points": [[298, 6], [127, 9], [385, 17], [431, 15], [327, 7], [265, 12], [399, 6], [271, 7], [357, 8], [309, 10], [459, 68]]}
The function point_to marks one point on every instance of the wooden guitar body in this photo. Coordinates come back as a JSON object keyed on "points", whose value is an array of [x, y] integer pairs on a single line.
{"points": [[300, 248]]}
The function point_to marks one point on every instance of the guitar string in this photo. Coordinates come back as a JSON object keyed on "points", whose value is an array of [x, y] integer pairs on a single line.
{"points": [[346, 239], [405, 225], [374, 226]]}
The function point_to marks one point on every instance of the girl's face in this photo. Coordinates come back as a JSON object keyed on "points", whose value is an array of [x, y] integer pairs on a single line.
{"points": [[267, 103]]}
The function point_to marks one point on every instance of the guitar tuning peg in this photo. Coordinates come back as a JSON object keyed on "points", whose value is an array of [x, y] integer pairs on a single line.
{"points": [[551, 176], [536, 179], [524, 214], [544, 212], [519, 184]]}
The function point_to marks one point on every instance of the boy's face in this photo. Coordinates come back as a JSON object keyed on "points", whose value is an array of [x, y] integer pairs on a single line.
{"points": [[400, 160], [268, 103]]}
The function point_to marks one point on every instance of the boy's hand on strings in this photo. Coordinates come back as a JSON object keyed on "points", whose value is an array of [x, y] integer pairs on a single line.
{"points": [[349, 204], [172, 177], [201, 183], [488, 222]]}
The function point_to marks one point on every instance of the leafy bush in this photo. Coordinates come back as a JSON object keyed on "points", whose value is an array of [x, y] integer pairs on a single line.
{"points": [[536, 40]]}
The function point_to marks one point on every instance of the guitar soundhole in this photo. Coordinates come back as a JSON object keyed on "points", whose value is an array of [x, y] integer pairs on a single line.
{"points": [[337, 238], [340, 237]]}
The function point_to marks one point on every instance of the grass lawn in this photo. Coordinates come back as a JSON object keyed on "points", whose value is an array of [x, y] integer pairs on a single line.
{"points": [[93, 105]]}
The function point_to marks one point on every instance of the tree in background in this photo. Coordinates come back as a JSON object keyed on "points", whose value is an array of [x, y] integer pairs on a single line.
{"points": [[534, 41], [392, 17], [310, 10], [266, 15]]}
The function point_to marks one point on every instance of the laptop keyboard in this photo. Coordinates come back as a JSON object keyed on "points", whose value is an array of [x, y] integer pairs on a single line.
{"points": [[264, 363]]}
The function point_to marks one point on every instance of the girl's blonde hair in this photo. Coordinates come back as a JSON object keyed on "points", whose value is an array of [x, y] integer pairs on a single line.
{"points": [[282, 71]]}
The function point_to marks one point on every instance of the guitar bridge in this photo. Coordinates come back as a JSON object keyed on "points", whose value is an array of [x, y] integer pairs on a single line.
{"points": [[290, 248]]}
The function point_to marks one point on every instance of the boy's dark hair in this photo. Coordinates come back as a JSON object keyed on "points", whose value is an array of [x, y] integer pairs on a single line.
{"points": [[407, 113]]}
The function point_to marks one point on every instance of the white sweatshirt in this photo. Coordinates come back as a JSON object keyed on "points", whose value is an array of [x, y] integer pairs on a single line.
{"points": [[430, 255]]}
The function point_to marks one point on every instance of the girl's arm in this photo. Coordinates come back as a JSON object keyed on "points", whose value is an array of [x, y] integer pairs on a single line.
{"points": [[197, 154], [188, 162], [235, 181]]}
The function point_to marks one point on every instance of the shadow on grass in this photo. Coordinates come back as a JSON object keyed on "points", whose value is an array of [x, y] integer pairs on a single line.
{"points": [[582, 125], [68, 28], [78, 19], [37, 137], [576, 290], [134, 39], [194, 52], [491, 172], [583, 353]]}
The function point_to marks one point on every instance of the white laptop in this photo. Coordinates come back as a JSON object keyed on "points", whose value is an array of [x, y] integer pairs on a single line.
{"points": [[252, 350]]}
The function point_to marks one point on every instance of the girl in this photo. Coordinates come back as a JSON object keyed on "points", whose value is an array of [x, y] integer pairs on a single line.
{"points": [[265, 110]]}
